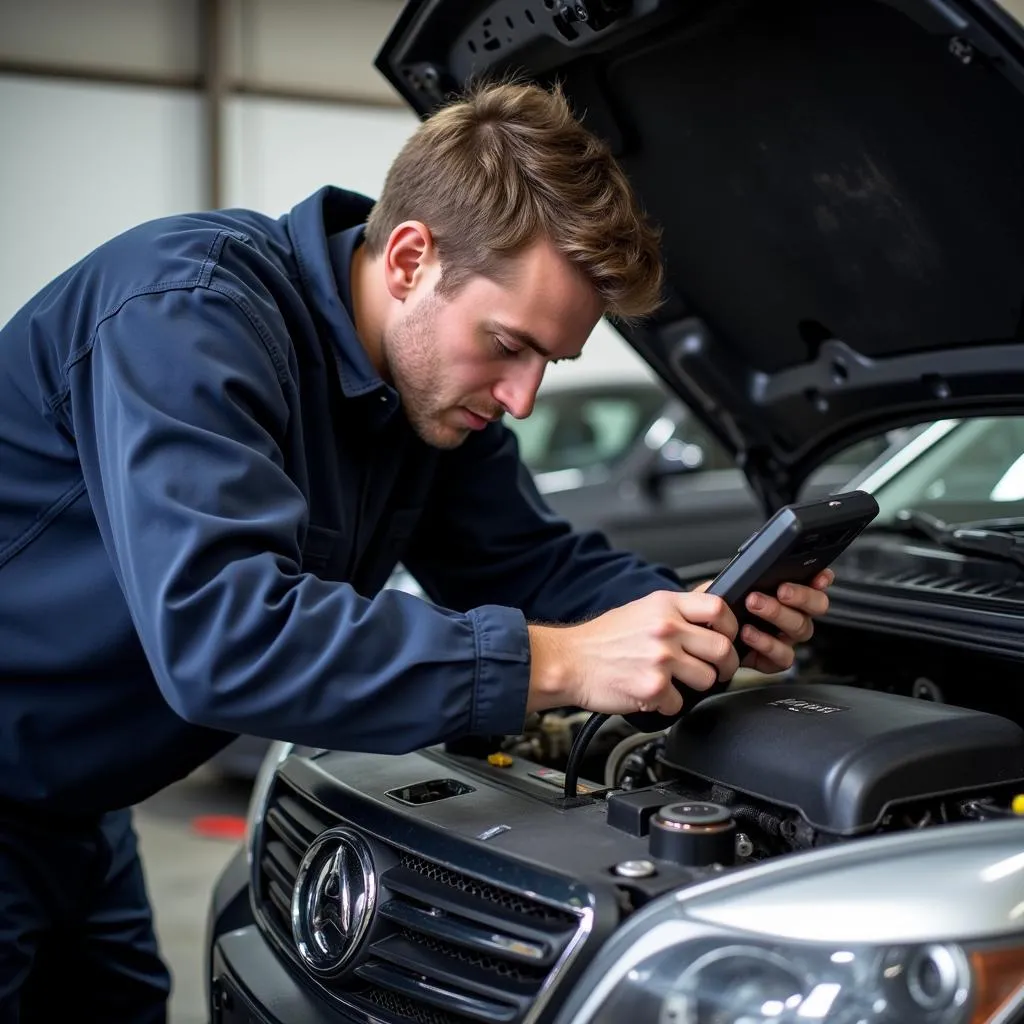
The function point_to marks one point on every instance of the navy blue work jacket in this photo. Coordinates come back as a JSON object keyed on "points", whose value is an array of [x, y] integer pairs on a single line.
{"points": [[204, 485]]}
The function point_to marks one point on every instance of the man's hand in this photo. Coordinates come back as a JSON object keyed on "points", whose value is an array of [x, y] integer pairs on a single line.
{"points": [[625, 660], [792, 611]]}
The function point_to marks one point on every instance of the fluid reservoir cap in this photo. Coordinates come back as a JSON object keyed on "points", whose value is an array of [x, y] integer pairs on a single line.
{"points": [[693, 834], [694, 815]]}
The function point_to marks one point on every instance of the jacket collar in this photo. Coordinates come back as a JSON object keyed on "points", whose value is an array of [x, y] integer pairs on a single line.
{"points": [[325, 230]]}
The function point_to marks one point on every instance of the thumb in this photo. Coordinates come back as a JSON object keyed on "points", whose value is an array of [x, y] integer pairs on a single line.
{"points": [[672, 702]]}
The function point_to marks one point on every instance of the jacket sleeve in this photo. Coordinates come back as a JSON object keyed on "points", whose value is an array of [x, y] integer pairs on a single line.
{"points": [[487, 534], [179, 410]]}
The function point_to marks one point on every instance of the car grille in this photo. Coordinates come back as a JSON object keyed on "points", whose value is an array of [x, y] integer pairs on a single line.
{"points": [[446, 948]]}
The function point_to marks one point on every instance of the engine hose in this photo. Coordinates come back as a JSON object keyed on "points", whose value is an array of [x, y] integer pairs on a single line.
{"points": [[767, 822], [579, 748], [770, 823]]}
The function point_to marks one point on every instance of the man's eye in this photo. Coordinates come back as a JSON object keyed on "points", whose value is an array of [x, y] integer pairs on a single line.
{"points": [[502, 349]]}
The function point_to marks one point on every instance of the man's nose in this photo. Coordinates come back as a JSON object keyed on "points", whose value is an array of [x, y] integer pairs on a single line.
{"points": [[517, 393]]}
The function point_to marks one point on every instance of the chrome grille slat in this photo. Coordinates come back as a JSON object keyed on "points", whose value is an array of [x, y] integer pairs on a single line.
{"points": [[474, 887], [309, 819], [281, 900], [294, 839], [280, 865], [519, 979], [469, 937], [449, 998], [375, 998]]}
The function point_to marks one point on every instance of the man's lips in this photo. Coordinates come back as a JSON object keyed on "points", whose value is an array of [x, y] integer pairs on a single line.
{"points": [[474, 420]]}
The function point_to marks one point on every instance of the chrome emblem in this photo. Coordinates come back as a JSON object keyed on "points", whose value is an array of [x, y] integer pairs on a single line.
{"points": [[333, 900]]}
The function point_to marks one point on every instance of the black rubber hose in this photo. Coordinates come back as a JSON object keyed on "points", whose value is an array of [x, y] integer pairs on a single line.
{"points": [[579, 748]]}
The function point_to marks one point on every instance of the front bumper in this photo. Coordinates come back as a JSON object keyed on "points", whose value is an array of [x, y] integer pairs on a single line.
{"points": [[249, 985]]}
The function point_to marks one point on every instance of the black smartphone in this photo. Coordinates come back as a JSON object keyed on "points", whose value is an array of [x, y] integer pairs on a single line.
{"points": [[796, 544], [792, 547]]}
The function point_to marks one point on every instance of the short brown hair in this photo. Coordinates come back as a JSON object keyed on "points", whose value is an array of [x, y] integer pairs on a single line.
{"points": [[505, 165]]}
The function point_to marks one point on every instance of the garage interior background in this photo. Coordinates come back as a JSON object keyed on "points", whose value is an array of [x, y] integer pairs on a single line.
{"points": [[116, 111]]}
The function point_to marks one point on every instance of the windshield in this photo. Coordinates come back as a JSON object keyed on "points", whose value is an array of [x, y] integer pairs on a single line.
{"points": [[971, 470], [585, 427]]}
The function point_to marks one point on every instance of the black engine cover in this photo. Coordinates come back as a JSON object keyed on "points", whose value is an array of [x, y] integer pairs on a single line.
{"points": [[842, 756]]}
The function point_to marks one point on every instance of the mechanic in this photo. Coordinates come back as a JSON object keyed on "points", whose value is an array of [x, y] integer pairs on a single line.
{"points": [[218, 435]]}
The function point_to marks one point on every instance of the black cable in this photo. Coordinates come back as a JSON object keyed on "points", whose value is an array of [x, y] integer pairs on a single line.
{"points": [[579, 748]]}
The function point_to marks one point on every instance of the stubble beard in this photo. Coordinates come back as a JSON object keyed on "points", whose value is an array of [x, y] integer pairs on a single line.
{"points": [[410, 352]]}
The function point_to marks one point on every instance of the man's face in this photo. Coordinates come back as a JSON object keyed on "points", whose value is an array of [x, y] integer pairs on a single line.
{"points": [[461, 361]]}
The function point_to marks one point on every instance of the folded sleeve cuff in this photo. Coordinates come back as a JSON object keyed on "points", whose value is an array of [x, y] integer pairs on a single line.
{"points": [[502, 670]]}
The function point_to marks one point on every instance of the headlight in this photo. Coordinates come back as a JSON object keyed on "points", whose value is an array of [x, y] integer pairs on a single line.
{"points": [[276, 753], [730, 980], [926, 928]]}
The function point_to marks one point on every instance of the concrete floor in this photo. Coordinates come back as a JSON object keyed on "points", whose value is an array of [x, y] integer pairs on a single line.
{"points": [[181, 867]]}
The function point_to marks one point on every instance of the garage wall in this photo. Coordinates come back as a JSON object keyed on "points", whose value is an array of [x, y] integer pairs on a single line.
{"points": [[82, 161], [314, 45], [149, 37], [103, 124], [278, 151]]}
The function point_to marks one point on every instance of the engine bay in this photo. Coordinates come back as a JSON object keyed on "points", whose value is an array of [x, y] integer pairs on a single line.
{"points": [[756, 773], [799, 766], [751, 775], [765, 770]]}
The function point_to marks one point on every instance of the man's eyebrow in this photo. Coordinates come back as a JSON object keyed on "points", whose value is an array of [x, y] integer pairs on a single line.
{"points": [[527, 339]]}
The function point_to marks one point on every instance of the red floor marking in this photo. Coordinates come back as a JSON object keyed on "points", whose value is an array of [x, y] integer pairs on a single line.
{"points": [[219, 826]]}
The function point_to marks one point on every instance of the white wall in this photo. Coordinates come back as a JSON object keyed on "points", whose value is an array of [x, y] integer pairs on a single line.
{"points": [[315, 44], [145, 36], [280, 151], [81, 162]]}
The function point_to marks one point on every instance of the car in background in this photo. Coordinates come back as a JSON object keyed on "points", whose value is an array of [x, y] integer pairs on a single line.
{"points": [[631, 461]]}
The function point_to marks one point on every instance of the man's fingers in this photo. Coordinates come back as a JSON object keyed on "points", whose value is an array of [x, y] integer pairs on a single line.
{"points": [[787, 620], [804, 599], [762, 663], [793, 613], [777, 653], [824, 579], [669, 702], [708, 610], [712, 650]]}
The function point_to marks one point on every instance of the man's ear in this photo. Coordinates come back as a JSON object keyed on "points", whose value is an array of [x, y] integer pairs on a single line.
{"points": [[410, 259]]}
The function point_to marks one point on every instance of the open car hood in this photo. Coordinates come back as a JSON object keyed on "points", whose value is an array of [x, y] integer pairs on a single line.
{"points": [[840, 184]]}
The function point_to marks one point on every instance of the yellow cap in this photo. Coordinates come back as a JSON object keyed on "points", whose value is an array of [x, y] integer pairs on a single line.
{"points": [[1018, 804], [499, 760]]}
